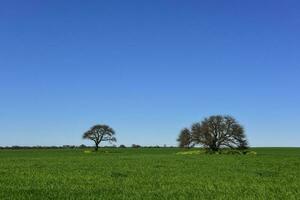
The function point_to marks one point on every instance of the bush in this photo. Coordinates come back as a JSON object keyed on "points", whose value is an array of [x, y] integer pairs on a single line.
{"points": [[135, 146], [82, 146]]}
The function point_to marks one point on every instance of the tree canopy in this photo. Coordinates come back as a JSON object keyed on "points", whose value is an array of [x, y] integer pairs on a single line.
{"points": [[218, 131]]}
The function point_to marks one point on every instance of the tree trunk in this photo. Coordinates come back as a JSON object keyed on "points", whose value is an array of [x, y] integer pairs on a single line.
{"points": [[96, 147], [214, 148]]}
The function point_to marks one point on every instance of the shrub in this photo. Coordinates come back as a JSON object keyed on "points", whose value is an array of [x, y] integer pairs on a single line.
{"points": [[135, 146]]}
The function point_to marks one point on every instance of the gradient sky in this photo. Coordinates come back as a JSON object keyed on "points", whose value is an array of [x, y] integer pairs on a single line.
{"points": [[148, 69]]}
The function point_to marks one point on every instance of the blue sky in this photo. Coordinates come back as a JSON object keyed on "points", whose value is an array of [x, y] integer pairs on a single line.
{"points": [[148, 69]]}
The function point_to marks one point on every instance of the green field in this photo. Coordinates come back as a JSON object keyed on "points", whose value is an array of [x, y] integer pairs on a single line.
{"points": [[153, 173]]}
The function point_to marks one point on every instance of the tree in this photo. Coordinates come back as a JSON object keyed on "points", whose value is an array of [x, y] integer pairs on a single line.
{"points": [[185, 138], [99, 133], [219, 131]]}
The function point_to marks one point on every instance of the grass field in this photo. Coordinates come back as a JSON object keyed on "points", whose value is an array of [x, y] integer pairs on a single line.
{"points": [[274, 173]]}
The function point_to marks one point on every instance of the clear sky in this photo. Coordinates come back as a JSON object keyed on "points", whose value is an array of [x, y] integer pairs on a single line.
{"points": [[148, 69]]}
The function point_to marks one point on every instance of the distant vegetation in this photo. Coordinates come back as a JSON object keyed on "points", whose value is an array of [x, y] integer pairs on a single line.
{"points": [[135, 146], [82, 147], [213, 133]]}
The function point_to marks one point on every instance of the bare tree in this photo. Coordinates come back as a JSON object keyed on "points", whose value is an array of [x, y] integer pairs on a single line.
{"points": [[219, 131], [99, 133], [185, 138]]}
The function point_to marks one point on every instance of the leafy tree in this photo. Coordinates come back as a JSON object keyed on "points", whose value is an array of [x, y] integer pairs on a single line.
{"points": [[99, 133], [219, 131], [185, 138]]}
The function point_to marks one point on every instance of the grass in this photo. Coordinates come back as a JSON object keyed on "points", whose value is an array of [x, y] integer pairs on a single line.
{"points": [[163, 173]]}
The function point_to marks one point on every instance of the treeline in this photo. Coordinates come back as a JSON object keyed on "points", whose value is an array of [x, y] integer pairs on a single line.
{"points": [[46, 147], [82, 147]]}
